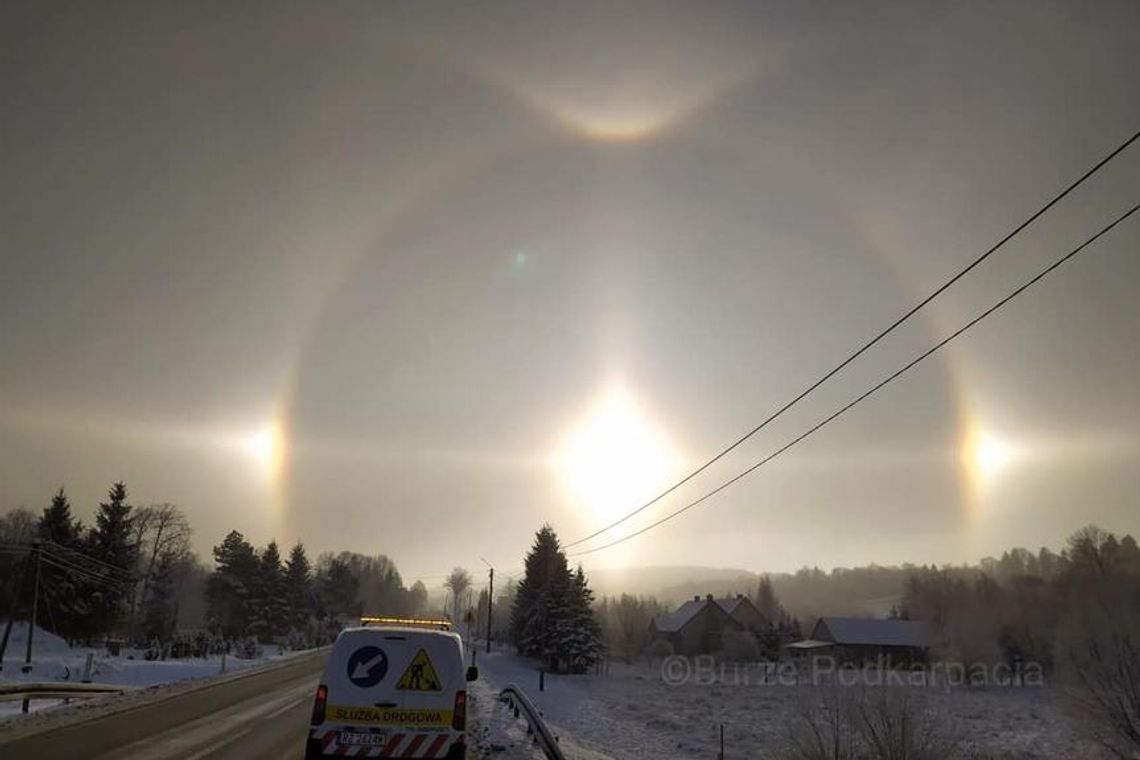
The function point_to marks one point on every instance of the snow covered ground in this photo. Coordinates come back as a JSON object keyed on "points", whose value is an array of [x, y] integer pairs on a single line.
{"points": [[53, 660], [631, 712]]}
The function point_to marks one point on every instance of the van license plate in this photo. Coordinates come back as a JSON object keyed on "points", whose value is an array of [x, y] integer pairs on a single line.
{"points": [[352, 738]]}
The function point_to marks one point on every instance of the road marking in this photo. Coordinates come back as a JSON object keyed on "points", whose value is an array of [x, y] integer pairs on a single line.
{"points": [[217, 746], [218, 729], [283, 709]]}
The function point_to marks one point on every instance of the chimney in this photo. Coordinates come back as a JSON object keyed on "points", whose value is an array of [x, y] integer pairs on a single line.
{"points": [[696, 597], [740, 596], [709, 597]]}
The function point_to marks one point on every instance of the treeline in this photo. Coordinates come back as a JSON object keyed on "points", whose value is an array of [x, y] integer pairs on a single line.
{"points": [[132, 575], [1023, 606], [254, 592], [118, 575]]}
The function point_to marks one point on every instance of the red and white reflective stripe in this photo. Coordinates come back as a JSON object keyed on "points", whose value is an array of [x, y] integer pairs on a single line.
{"points": [[398, 745]]}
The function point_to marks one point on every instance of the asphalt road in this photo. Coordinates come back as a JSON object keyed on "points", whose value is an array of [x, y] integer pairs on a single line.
{"points": [[259, 715]]}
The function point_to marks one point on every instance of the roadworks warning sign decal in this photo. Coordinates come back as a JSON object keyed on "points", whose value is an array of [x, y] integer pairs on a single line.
{"points": [[420, 675], [419, 718]]}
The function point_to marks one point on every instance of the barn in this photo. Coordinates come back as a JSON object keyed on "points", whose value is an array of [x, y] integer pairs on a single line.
{"points": [[865, 640]]}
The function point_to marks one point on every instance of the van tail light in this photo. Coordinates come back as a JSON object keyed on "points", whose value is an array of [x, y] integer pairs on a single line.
{"points": [[459, 715], [319, 705]]}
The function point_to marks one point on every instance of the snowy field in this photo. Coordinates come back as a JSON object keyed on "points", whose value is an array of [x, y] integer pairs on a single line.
{"points": [[53, 660], [632, 713]]}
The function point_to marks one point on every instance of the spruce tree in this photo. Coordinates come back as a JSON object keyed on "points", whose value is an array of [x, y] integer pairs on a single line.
{"points": [[552, 617], [65, 595], [269, 606], [298, 587], [111, 543], [57, 525], [230, 586]]}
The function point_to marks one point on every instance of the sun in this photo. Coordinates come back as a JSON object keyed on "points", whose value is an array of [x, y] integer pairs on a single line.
{"points": [[991, 455], [266, 448], [985, 457], [615, 457]]}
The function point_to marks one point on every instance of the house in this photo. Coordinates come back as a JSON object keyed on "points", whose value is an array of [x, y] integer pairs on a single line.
{"points": [[698, 625], [741, 609], [864, 640]]}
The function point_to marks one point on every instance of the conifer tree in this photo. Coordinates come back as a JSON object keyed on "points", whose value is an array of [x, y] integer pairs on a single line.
{"points": [[552, 617], [110, 542], [231, 585], [65, 595], [298, 587], [269, 606]]}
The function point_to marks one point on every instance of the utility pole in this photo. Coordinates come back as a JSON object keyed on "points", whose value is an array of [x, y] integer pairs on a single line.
{"points": [[490, 601], [38, 548]]}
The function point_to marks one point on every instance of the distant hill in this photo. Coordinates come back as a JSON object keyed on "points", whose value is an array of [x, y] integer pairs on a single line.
{"points": [[672, 583]]}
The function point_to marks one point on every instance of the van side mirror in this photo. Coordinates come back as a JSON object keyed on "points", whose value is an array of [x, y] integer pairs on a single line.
{"points": [[472, 673]]}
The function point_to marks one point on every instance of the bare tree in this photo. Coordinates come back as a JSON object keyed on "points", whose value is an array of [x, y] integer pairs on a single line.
{"points": [[160, 530], [1099, 657], [457, 583]]}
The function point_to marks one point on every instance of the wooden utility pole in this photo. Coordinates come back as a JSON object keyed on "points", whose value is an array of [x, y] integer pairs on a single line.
{"points": [[38, 549], [35, 609], [490, 601]]}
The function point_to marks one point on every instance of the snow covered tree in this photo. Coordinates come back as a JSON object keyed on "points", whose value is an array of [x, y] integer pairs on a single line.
{"points": [[580, 636], [298, 587], [552, 617]]}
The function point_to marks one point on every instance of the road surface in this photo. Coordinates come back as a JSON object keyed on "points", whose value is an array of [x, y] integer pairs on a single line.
{"points": [[257, 715]]}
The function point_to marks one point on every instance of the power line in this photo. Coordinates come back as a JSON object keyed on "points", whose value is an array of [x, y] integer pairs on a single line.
{"points": [[85, 574], [94, 572], [882, 383], [64, 550], [865, 347]]}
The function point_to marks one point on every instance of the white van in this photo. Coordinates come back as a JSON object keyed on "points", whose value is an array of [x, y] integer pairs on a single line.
{"points": [[392, 690]]}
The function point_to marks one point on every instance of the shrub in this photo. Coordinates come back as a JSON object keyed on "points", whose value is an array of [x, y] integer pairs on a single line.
{"points": [[247, 648], [868, 724]]}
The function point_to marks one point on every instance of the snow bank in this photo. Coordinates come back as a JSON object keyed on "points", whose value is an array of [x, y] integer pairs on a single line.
{"points": [[53, 660]]}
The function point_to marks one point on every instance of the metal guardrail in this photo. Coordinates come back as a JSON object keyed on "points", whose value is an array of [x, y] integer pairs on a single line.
{"points": [[517, 699], [15, 692]]}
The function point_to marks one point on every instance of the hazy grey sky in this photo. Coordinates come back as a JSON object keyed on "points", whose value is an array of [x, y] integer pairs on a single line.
{"points": [[415, 278]]}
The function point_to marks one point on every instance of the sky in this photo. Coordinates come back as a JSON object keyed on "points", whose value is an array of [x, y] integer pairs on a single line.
{"points": [[416, 278]]}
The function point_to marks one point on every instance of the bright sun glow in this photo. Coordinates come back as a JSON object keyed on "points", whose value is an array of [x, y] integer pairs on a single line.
{"points": [[615, 458], [991, 455], [266, 448]]}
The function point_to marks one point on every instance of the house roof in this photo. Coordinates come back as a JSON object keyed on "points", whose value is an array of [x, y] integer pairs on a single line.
{"points": [[671, 622], [729, 603], [878, 632]]}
